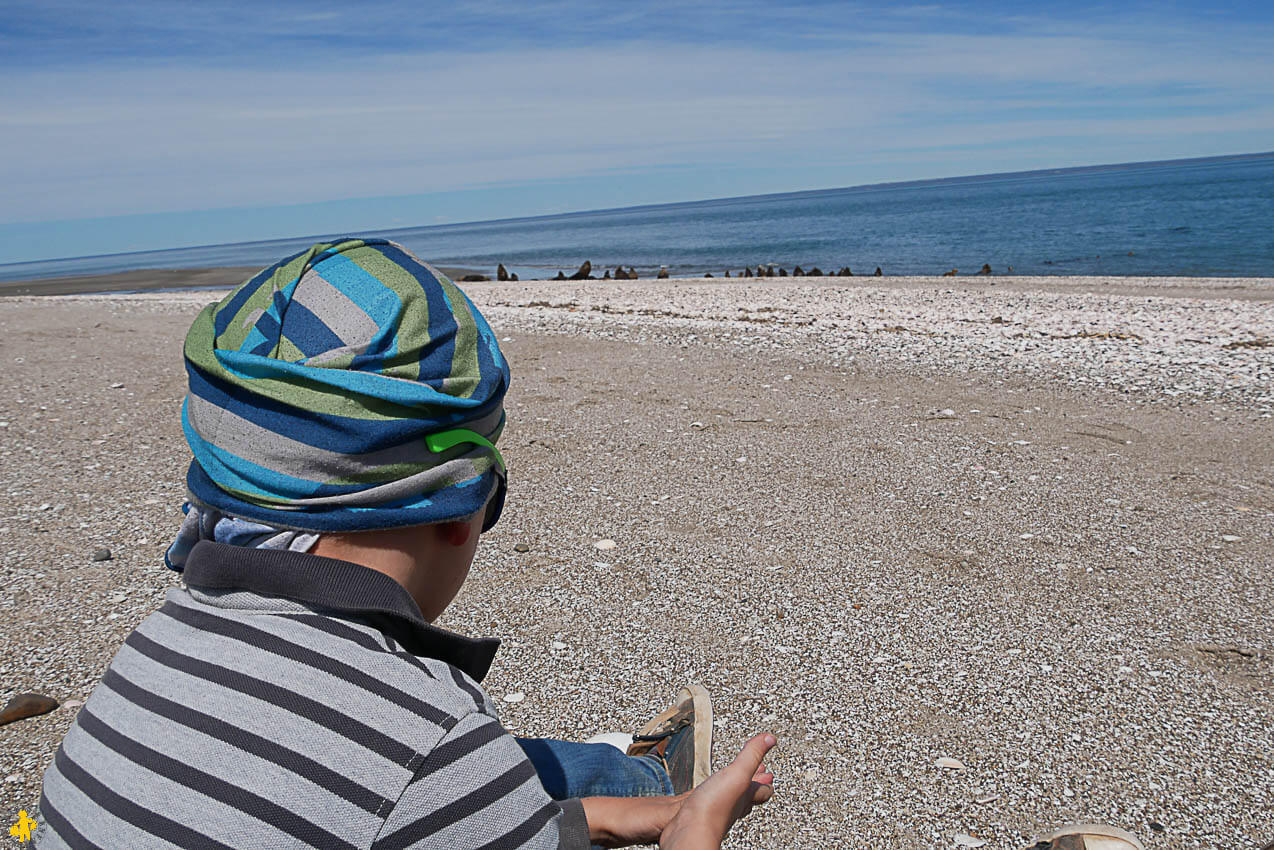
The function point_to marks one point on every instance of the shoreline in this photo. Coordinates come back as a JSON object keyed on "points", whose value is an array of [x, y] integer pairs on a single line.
{"points": [[1159, 342], [227, 277], [146, 280]]}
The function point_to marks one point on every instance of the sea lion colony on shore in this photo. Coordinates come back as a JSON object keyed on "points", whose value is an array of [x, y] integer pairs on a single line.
{"points": [[585, 272]]}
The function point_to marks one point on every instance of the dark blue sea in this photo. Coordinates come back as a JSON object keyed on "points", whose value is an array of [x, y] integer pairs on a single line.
{"points": [[1199, 217]]}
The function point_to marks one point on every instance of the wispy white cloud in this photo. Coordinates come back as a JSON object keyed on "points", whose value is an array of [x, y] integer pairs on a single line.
{"points": [[911, 92]]}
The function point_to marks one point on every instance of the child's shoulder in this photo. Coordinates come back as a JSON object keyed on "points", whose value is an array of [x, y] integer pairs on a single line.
{"points": [[342, 662]]}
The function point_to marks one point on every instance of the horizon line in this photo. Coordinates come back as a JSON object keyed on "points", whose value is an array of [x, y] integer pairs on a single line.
{"points": [[894, 184]]}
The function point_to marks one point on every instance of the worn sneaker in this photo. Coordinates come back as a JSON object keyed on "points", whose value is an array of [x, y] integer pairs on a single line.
{"points": [[1088, 836], [681, 738]]}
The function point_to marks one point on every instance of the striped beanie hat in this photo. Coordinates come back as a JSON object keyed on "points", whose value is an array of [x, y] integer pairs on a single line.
{"points": [[347, 388]]}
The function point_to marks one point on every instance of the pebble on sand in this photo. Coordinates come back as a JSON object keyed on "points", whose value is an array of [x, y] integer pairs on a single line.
{"points": [[27, 705], [516, 696], [521, 547], [102, 554], [604, 545]]}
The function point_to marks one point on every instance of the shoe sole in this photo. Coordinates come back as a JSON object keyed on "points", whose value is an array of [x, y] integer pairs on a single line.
{"points": [[702, 704], [703, 732], [1099, 830]]}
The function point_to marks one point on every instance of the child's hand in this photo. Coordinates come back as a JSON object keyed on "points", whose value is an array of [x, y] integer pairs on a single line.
{"points": [[729, 794], [625, 821]]}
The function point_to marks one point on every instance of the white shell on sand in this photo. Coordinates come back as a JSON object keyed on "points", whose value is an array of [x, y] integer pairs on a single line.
{"points": [[516, 696], [949, 763], [604, 545]]}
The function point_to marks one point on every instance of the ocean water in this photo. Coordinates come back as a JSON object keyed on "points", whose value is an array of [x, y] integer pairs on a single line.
{"points": [[1201, 217]]}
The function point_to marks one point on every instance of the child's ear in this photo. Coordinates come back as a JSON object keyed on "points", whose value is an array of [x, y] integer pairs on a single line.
{"points": [[454, 533]]}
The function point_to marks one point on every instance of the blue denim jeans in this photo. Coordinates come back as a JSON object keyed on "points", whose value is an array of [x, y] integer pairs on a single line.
{"points": [[571, 769]]}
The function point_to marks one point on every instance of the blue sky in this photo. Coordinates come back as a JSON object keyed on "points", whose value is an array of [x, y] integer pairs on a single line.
{"points": [[140, 125]]}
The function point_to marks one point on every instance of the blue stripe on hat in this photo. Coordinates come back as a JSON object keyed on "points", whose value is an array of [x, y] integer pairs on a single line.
{"points": [[322, 430], [246, 290], [228, 467], [441, 348], [372, 385], [463, 500], [377, 300], [307, 332]]}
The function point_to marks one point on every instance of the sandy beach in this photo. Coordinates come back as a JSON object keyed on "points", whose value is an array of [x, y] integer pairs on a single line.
{"points": [[1022, 523]]}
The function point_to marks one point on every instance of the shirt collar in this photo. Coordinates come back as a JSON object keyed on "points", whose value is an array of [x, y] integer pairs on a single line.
{"points": [[337, 586]]}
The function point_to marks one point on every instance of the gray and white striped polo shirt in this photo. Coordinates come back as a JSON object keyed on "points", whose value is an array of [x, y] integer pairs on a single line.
{"points": [[287, 700]]}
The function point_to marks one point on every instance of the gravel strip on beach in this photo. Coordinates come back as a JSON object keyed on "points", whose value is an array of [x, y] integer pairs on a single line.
{"points": [[1153, 345], [870, 518]]}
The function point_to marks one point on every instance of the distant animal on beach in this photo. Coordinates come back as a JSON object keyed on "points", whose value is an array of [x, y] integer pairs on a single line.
{"points": [[951, 273], [584, 272], [560, 276], [878, 273], [986, 268], [501, 273], [474, 278], [763, 270], [663, 273], [606, 276]]}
